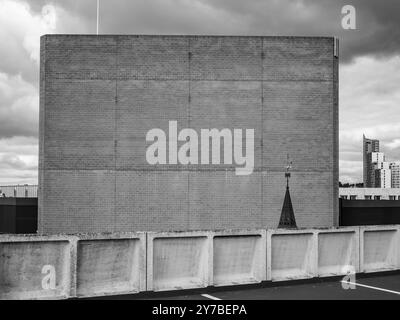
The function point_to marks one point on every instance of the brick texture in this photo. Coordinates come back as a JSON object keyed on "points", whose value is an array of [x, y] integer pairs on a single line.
{"points": [[99, 96]]}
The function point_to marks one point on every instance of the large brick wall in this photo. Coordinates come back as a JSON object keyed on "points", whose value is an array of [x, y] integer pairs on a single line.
{"points": [[101, 94]]}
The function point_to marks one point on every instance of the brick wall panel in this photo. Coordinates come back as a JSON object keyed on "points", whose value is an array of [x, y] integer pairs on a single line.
{"points": [[297, 58], [79, 124], [298, 120], [151, 200], [86, 57], [78, 201], [227, 104], [225, 58], [153, 58], [144, 105], [223, 200]]}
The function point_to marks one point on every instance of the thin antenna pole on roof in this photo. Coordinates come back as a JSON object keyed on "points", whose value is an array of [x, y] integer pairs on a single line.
{"points": [[97, 29]]}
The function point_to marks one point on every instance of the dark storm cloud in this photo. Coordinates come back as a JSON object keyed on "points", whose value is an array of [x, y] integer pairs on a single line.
{"points": [[378, 23]]}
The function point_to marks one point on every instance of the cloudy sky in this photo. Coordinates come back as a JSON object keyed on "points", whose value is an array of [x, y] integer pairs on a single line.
{"points": [[369, 59]]}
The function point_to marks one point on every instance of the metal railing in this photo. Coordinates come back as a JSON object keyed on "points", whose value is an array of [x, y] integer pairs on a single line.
{"points": [[19, 191]]}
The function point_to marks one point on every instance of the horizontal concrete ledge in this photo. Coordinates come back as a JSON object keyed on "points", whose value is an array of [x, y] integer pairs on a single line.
{"points": [[96, 265], [122, 36]]}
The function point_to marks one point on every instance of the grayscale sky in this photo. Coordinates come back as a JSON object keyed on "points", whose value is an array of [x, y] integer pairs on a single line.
{"points": [[369, 98]]}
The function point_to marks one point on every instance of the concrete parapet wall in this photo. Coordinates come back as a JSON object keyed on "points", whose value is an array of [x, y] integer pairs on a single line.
{"points": [[86, 265], [63, 266], [110, 265], [338, 251], [35, 267], [308, 253], [178, 260], [379, 248], [239, 257], [291, 254]]}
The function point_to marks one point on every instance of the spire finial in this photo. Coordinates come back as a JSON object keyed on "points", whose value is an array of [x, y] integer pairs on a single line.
{"points": [[288, 167]]}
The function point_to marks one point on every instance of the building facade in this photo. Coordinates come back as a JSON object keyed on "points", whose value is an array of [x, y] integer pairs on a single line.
{"points": [[101, 95], [369, 146], [377, 171], [369, 193], [383, 178], [395, 174]]}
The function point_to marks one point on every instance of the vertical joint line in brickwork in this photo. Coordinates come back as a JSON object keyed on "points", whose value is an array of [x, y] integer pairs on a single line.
{"points": [[189, 82], [115, 133], [42, 117], [262, 125], [335, 86], [189, 102]]}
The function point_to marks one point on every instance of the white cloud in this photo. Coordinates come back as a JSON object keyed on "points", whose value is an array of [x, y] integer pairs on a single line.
{"points": [[349, 169], [369, 99], [394, 144], [18, 160], [41, 24], [19, 107], [20, 31]]}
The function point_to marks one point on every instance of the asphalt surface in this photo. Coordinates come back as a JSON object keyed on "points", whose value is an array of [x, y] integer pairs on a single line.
{"points": [[384, 286], [313, 291]]}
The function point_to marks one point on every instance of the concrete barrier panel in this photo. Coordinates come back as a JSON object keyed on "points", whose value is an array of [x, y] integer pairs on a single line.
{"points": [[379, 248], [110, 264], [35, 267], [398, 247], [239, 257], [178, 260], [291, 254], [338, 251]]}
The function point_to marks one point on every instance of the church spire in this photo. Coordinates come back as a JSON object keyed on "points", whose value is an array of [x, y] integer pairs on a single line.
{"points": [[287, 219]]}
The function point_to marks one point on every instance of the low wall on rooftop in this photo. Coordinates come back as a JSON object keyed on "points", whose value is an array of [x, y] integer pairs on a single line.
{"points": [[87, 265]]}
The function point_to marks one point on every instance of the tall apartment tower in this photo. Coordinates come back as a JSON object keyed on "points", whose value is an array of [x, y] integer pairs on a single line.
{"points": [[395, 171], [369, 146], [382, 172]]}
